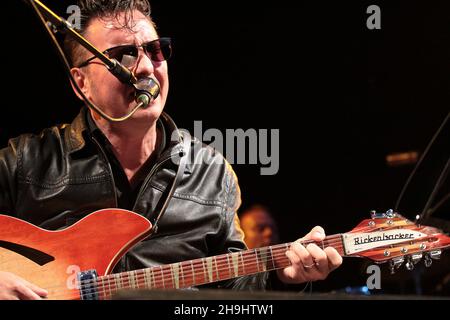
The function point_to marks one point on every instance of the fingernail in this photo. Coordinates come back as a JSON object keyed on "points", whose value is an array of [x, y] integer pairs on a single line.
{"points": [[318, 234]]}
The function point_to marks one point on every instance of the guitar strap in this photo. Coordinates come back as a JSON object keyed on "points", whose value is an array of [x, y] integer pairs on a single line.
{"points": [[163, 202]]}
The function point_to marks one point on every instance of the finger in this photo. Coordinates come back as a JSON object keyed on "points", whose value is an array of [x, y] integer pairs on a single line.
{"points": [[290, 271], [293, 271], [334, 258], [39, 291], [293, 257], [303, 255], [319, 257], [26, 293], [317, 233]]}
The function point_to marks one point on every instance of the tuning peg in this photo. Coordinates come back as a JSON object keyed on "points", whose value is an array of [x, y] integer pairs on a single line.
{"points": [[390, 213], [395, 263], [435, 254], [377, 215], [391, 267], [409, 263], [415, 258], [374, 214], [427, 261], [430, 256]]}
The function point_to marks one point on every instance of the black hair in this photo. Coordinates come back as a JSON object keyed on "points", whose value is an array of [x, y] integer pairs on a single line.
{"points": [[91, 9]]}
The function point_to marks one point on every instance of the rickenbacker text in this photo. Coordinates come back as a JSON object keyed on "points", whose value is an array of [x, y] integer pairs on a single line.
{"points": [[383, 237]]}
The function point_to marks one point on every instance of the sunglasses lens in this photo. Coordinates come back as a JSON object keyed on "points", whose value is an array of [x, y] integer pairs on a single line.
{"points": [[159, 50], [126, 55]]}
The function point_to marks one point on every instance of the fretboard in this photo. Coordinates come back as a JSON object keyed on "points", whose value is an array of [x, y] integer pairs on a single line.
{"points": [[206, 270]]}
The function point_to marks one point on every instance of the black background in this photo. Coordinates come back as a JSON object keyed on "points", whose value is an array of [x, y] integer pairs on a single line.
{"points": [[343, 97]]}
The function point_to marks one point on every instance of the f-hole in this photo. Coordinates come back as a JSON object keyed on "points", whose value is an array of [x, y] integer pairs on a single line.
{"points": [[37, 256]]}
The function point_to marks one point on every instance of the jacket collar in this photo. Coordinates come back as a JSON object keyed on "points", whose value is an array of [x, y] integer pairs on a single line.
{"points": [[75, 140]]}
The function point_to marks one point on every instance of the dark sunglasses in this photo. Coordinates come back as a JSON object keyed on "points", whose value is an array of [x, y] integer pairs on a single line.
{"points": [[156, 50]]}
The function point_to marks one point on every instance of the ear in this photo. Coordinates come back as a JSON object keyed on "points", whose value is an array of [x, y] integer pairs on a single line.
{"points": [[81, 80]]}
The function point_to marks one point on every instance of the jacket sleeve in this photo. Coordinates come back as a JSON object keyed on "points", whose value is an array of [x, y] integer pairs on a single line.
{"points": [[234, 236], [8, 178]]}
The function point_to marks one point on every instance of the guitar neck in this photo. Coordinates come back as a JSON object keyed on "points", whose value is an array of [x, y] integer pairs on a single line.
{"points": [[206, 270]]}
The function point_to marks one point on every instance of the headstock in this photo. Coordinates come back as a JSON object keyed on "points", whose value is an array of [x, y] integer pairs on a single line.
{"points": [[391, 237]]}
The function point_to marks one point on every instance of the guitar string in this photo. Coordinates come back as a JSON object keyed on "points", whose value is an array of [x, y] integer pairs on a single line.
{"points": [[157, 279], [103, 292], [223, 256], [140, 274], [220, 264], [111, 284]]}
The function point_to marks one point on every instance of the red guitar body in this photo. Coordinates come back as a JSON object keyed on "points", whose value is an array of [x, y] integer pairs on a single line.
{"points": [[51, 259]]}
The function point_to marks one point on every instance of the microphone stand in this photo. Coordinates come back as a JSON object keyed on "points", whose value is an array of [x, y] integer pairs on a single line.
{"points": [[117, 69], [147, 89]]}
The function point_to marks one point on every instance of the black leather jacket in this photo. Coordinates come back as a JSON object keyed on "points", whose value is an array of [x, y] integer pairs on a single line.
{"points": [[57, 177]]}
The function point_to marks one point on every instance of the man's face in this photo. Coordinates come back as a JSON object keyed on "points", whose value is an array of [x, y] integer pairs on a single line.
{"points": [[107, 92], [259, 228]]}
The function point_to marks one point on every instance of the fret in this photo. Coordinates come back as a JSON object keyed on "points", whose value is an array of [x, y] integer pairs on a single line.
{"points": [[229, 267], [153, 278], [109, 286], [172, 276], [235, 261], [175, 269], [323, 246], [193, 273], [132, 279], [204, 269], [112, 283], [287, 248], [242, 262], [146, 279], [117, 281], [339, 245], [182, 274], [103, 287], [137, 275], [162, 276], [217, 268], [272, 257], [256, 257], [263, 257], [209, 268], [205, 274]]}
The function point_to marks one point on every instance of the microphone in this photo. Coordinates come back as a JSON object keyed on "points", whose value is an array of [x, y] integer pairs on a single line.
{"points": [[147, 90], [120, 72]]}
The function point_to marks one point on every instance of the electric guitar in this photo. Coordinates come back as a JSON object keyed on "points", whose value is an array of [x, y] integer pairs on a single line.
{"points": [[76, 262]]}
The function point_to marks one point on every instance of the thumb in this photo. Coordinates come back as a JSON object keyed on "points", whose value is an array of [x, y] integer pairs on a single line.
{"points": [[317, 233]]}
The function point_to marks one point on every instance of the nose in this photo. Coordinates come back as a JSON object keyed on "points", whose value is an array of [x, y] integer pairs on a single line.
{"points": [[144, 66]]}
